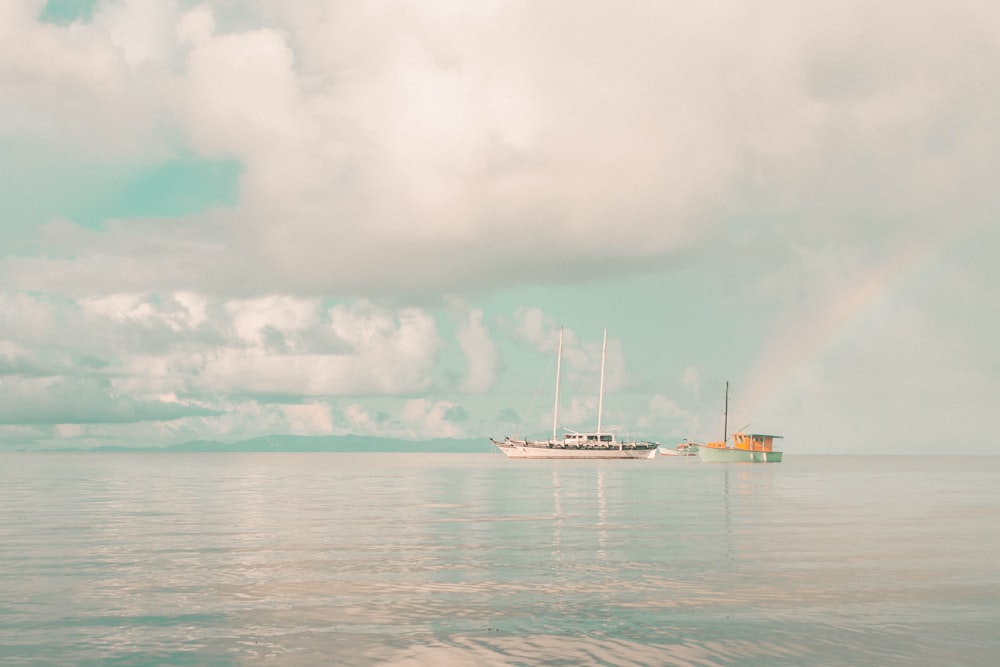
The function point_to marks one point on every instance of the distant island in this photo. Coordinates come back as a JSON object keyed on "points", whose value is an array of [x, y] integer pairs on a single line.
{"points": [[322, 443]]}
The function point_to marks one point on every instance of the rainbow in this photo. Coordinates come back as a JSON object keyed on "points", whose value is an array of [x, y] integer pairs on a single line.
{"points": [[812, 335]]}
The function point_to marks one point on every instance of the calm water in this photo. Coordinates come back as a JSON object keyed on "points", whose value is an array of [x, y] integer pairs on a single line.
{"points": [[413, 559]]}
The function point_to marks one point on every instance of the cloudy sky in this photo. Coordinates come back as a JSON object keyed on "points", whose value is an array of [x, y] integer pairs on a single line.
{"points": [[224, 219]]}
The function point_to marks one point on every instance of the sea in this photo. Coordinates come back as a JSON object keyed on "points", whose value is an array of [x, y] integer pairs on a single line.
{"points": [[156, 558]]}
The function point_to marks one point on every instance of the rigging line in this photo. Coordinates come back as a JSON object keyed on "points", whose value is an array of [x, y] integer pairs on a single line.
{"points": [[534, 399]]}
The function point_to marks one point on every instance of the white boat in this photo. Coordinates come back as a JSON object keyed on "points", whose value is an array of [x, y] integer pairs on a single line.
{"points": [[683, 449], [745, 448], [595, 445]]}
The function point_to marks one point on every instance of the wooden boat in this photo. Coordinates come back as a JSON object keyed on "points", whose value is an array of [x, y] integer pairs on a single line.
{"points": [[745, 447]]}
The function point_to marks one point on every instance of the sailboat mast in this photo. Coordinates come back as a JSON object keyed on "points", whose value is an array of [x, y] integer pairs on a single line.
{"points": [[725, 419], [600, 400], [555, 412]]}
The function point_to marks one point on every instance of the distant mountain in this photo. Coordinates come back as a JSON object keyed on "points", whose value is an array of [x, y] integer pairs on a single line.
{"points": [[335, 443]]}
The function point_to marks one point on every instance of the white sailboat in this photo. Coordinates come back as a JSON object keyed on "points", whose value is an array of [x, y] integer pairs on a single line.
{"points": [[594, 445]]}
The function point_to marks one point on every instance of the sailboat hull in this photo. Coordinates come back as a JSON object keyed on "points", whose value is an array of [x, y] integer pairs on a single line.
{"points": [[514, 449]]}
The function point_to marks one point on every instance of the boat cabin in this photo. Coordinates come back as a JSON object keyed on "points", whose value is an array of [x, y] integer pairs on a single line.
{"points": [[754, 442], [751, 442], [588, 439]]}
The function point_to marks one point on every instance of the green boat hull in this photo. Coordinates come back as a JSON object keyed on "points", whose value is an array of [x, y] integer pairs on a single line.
{"points": [[729, 455]]}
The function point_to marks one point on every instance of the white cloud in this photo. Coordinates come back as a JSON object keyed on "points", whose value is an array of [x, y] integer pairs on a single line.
{"points": [[387, 145], [679, 422], [146, 346], [138, 29], [195, 308], [71, 87], [309, 419], [195, 26], [481, 355], [581, 358], [120, 307], [359, 419], [579, 413], [541, 330], [239, 96], [359, 349], [537, 328], [252, 319], [70, 431], [691, 380], [423, 418], [396, 351], [55, 400]]}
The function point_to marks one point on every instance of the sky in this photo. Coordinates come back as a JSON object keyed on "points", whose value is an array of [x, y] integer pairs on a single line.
{"points": [[221, 220]]}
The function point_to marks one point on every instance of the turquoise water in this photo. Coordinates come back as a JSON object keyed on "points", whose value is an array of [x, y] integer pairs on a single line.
{"points": [[462, 559]]}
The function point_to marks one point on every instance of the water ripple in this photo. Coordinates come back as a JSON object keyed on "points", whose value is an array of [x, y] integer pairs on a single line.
{"points": [[403, 560]]}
